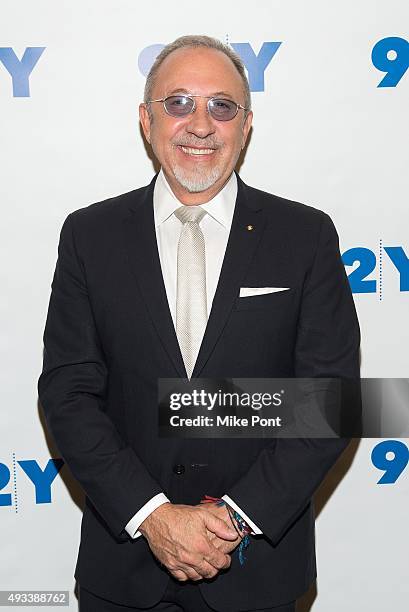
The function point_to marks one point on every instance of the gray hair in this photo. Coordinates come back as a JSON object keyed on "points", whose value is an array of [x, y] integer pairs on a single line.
{"points": [[197, 41]]}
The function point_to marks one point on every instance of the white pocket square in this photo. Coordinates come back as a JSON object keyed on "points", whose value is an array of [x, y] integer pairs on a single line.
{"points": [[248, 291]]}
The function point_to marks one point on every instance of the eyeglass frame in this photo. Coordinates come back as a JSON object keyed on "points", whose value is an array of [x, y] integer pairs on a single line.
{"points": [[210, 98]]}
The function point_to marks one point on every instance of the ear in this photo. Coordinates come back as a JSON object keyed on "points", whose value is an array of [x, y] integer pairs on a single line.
{"points": [[145, 120], [246, 128]]}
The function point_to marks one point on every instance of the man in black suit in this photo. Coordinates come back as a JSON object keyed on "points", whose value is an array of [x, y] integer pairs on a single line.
{"points": [[268, 277]]}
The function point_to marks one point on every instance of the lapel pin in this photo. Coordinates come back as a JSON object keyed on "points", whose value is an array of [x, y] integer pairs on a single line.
{"points": [[250, 227]]}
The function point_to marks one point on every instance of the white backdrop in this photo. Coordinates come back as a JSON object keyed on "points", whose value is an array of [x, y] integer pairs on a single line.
{"points": [[324, 133]]}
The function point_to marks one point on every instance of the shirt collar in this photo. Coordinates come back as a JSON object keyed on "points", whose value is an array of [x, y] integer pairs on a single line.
{"points": [[221, 207]]}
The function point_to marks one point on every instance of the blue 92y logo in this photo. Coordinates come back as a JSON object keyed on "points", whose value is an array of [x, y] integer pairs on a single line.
{"points": [[42, 480], [391, 55], [391, 457], [369, 262]]}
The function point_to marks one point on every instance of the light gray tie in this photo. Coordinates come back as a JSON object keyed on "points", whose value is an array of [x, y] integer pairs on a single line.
{"points": [[191, 302]]}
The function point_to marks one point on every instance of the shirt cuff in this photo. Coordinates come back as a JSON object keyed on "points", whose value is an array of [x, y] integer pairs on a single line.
{"points": [[138, 518], [253, 527]]}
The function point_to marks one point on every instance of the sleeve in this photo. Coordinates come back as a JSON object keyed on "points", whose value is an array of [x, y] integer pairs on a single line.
{"points": [[253, 527], [281, 482], [138, 518], [72, 392]]}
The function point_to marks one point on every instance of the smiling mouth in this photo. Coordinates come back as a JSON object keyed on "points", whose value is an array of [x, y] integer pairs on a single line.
{"points": [[196, 151]]}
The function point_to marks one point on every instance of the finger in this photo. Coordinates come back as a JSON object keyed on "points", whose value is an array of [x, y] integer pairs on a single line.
{"points": [[206, 570], [219, 527], [179, 575], [220, 543], [217, 558], [223, 546], [188, 568], [192, 574], [211, 536]]}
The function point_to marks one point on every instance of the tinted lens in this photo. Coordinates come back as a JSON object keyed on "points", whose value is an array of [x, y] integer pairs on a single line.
{"points": [[179, 106], [222, 110]]}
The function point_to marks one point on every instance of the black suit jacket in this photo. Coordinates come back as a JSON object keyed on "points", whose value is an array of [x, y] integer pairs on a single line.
{"points": [[109, 336]]}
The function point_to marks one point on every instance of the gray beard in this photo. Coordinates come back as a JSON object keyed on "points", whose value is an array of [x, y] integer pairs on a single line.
{"points": [[196, 181]]}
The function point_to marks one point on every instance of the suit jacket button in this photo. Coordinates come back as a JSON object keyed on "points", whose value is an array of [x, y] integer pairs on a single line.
{"points": [[179, 468]]}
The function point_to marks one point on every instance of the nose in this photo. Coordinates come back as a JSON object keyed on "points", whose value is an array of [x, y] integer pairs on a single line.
{"points": [[200, 122]]}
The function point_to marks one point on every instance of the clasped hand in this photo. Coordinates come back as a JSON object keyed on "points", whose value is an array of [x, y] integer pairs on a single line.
{"points": [[192, 542]]}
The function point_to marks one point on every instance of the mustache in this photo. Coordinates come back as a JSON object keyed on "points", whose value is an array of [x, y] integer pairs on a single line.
{"points": [[206, 144]]}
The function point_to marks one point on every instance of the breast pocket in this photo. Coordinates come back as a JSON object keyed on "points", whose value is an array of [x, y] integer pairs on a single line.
{"points": [[265, 300]]}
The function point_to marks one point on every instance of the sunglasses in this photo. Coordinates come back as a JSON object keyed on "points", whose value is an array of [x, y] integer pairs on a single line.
{"points": [[182, 105]]}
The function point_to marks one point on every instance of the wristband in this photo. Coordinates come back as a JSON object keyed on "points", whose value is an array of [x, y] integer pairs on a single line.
{"points": [[243, 529]]}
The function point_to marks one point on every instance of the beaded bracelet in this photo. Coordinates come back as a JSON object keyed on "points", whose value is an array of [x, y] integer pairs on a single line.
{"points": [[243, 529]]}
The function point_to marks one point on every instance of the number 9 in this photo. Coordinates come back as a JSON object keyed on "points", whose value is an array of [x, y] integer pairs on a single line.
{"points": [[394, 68], [393, 468]]}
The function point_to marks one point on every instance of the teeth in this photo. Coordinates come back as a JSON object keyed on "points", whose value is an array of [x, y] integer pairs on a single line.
{"points": [[190, 151]]}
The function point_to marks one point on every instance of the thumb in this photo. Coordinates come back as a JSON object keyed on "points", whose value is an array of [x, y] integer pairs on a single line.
{"points": [[219, 527]]}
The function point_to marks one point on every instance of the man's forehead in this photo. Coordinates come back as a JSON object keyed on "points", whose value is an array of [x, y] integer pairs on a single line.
{"points": [[183, 54], [210, 73]]}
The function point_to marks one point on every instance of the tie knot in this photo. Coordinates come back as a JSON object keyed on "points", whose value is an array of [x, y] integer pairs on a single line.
{"points": [[190, 214]]}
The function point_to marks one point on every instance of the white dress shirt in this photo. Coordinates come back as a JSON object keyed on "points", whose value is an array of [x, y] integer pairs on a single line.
{"points": [[216, 229]]}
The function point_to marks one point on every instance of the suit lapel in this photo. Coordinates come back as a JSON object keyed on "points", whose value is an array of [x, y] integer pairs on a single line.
{"points": [[143, 257], [240, 249]]}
